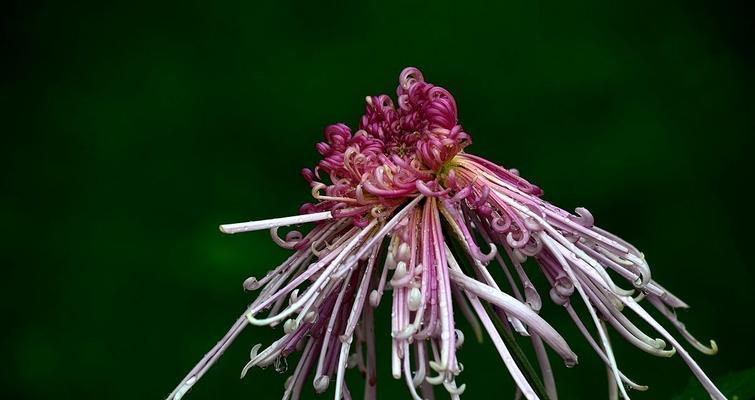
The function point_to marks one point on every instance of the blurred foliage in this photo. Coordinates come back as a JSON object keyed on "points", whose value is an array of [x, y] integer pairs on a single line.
{"points": [[132, 129], [736, 386]]}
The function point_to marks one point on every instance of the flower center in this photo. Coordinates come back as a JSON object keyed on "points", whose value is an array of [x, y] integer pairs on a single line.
{"points": [[398, 151]]}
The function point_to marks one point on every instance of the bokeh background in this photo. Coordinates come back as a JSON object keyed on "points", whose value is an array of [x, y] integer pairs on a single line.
{"points": [[130, 130]]}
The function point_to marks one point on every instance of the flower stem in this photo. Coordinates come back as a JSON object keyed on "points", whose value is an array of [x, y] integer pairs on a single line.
{"points": [[519, 355]]}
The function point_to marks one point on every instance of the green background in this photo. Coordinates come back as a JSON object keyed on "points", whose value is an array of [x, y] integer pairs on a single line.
{"points": [[131, 130]]}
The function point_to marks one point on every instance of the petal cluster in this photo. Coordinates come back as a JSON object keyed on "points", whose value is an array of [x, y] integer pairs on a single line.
{"points": [[396, 153], [403, 211]]}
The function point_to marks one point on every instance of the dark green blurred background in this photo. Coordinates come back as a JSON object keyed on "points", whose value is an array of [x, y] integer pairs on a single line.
{"points": [[130, 130]]}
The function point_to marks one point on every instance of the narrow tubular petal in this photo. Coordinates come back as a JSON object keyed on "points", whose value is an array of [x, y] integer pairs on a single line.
{"points": [[545, 367], [274, 223], [709, 386], [603, 336], [601, 354], [334, 316], [321, 280], [448, 352], [521, 382], [370, 378], [513, 307], [671, 316]]}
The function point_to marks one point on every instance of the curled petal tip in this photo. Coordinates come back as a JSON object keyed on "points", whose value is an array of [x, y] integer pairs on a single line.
{"points": [[251, 283], [435, 380], [713, 348], [321, 383], [252, 320], [485, 258], [374, 298]]}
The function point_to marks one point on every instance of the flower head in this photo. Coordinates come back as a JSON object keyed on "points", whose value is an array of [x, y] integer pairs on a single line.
{"points": [[402, 210]]}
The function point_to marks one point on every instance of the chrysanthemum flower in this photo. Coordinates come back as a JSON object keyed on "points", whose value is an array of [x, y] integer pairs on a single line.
{"points": [[403, 210]]}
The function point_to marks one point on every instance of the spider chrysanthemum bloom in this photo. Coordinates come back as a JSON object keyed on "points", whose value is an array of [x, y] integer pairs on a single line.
{"points": [[402, 210]]}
